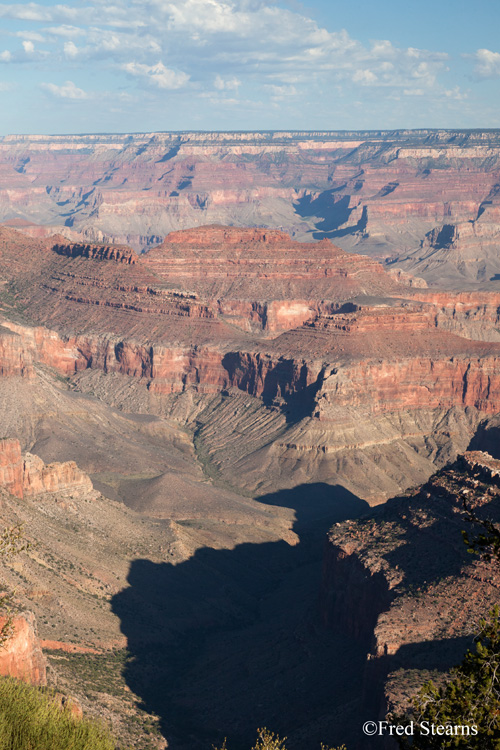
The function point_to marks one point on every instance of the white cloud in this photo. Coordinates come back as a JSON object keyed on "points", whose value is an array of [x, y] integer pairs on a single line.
{"points": [[487, 63], [70, 50], [5, 56], [227, 84], [157, 75], [220, 46], [365, 77], [65, 30], [67, 91], [36, 12], [456, 93], [31, 35], [280, 92]]}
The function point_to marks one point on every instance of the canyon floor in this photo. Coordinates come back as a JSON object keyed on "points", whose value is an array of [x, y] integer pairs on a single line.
{"points": [[183, 427]]}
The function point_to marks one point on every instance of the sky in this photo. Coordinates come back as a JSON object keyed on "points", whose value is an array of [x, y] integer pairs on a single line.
{"points": [[96, 66]]}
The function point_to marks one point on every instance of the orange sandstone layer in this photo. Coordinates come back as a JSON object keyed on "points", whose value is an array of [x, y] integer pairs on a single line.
{"points": [[21, 656], [27, 475], [11, 466]]}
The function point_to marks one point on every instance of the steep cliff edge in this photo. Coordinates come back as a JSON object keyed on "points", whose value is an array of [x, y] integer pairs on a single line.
{"points": [[15, 359], [25, 475], [344, 362], [11, 466], [385, 582], [425, 200], [21, 656], [118, 253]]}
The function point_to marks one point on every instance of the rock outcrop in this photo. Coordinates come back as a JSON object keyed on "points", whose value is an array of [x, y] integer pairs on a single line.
{"points": [[11, 466], [118, 253], [61, 478], [384, 582], [15, 359], [21, 655], [25, 475]]}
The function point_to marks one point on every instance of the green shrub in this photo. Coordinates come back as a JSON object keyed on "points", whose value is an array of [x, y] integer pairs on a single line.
{"points": [[30, 719]]}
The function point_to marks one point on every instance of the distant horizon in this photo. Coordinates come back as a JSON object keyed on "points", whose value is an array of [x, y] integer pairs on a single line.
{"points": [[298, 131]]}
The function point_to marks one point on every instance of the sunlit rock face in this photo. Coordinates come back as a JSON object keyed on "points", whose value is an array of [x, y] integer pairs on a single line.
{"points": [[425, 201], [21, 655]]}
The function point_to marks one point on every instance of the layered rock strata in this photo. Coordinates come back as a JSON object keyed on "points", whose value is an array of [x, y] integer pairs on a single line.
{"points": [[327, 339], [427, 200], [118, 253], [25, 475]]}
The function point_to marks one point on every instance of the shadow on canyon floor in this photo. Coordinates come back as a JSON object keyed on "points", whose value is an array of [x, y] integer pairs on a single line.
{"points": [[231, 640], [487, 437]]}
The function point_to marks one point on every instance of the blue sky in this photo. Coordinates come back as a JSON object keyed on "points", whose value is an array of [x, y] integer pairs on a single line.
{"points": [[143, 65]]}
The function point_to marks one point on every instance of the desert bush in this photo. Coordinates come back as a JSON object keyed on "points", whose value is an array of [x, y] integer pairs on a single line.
{"points": [[267, 740], [30, 719]]}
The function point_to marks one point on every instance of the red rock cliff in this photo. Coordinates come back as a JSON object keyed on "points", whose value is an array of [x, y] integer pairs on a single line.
{"points": [[22, 656], [15, 359], [11, 466], [24, 475], [65, 478]]}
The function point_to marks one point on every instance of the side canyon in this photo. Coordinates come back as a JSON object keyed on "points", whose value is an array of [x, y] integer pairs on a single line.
{"points": [[229, 362]]}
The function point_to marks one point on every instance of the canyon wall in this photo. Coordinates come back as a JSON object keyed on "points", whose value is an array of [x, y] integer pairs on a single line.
{"points": [[426, 201], [15, 359], [344, 363], [11, 466]]}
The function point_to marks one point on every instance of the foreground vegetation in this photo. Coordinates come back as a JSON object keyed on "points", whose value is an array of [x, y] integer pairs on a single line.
{"points": [[468, 704], [31, 719], [267, 740]]}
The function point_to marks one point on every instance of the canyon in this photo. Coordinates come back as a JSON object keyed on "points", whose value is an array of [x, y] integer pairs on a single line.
{"points": [[421, 201], [320, 355], [215, 348]]}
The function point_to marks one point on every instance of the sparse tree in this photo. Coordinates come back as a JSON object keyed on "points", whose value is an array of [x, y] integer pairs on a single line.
{"points": [[487, 542], [470, 697], [467, 705]]}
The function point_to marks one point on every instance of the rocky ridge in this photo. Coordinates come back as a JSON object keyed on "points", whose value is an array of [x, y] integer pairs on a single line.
{"points": [[325, 340], [423, 200], [384, 584]]}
